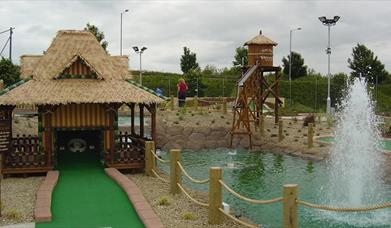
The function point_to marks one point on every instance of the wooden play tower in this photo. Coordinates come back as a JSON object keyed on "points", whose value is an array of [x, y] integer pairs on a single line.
{"points": [[253, 88]]}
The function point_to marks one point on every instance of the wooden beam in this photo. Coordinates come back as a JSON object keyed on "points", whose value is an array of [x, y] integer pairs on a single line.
{"points": [[131, 106], [141, 120]]}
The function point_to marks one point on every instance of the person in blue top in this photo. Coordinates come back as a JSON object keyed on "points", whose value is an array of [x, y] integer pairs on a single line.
{"points": [[158, 91]]}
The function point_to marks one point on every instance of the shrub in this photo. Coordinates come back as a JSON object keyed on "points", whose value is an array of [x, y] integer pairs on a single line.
{"points": [[188, 216], [164, 201], [13, 214]]}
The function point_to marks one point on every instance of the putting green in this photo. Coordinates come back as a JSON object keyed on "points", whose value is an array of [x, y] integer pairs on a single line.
{"points": [[86, 197]]}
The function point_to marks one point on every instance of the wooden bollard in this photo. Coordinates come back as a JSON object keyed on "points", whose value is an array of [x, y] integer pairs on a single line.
{"points": [[225, 106], [196, 103], [150, 161], [262, 125], [280, 134], [215, 195], [175, 172], [310, 135], [172, 105], [290, 209]]}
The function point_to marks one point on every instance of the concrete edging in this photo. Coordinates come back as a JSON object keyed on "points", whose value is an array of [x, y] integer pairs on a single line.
{"points": [[42, 211], [135, 196]]}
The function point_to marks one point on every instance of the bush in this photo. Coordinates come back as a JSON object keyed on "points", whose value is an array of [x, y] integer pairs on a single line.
{"points": [[164, 201], [188, 216]]}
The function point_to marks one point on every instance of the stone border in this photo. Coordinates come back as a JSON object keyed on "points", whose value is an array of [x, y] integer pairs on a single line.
{"points": [[42, 212], [141, 205]]}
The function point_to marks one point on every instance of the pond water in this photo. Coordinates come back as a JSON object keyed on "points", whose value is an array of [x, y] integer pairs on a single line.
{"points": [[124, 121], [261, 175]]}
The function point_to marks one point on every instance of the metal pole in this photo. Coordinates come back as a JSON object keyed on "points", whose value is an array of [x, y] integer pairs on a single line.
{"points": [[169, 85], [141, 74], [10, 52], [328, 110], [376, 87], [120, 43], [290, 68]]}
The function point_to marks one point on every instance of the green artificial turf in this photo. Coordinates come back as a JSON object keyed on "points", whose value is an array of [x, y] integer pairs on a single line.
{"points": [[86, 197]]}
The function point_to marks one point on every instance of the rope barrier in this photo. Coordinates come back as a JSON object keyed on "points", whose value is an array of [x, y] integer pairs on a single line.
{"points": [[275, 200], [237, 220], [191, 198], [191, 178], [159, 177], [344, 209], [159, 159]]}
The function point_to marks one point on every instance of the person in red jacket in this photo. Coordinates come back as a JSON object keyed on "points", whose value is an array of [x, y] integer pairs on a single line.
{"points": [[182, 88]]}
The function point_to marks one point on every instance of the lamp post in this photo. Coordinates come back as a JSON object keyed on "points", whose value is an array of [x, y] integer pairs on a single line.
{"points": [[328, 22], [290, 64], [140, 52], [120, 43]]}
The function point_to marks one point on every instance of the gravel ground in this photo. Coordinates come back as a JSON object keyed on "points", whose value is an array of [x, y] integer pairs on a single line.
{"points": [[18, 199], [172, 215]]}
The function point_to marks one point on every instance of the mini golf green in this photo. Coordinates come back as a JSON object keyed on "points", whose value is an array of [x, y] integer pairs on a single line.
{"points": [[86, 197], [385, 144]]}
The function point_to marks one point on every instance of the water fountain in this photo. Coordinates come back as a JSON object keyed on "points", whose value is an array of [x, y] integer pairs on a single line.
{"points": [[354, 166], [231, 163]]}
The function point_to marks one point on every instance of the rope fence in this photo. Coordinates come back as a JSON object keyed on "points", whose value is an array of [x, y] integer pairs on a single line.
{"points": [[159, 177], [289, 199], [191, 198], [237, 220], [344, 209], [253, 201], [158, 158], [191, 178]]}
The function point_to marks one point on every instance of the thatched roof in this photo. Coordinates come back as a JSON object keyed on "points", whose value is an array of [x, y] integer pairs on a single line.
{"points": [[65, 91], [260, 39], [41, 84]]}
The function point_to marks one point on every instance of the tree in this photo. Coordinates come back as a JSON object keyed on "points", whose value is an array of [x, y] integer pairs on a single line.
{"points": [[188, 60], [364, 63], [9, 72], [100, 36], [298, 67], [194, 81], [240, 57]]}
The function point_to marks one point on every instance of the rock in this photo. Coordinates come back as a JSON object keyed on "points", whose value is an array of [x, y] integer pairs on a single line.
{"points": [[195, 145], [211, 144], [202, 130], [197, 137], [214, 135], [174, 130], [187, 131]]}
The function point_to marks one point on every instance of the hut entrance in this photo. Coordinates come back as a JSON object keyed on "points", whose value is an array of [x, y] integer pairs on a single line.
{"points": [[79, 145]]}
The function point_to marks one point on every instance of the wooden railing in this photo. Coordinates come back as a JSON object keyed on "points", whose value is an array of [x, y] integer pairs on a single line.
{"points": [[25, 155], [130, 152]]}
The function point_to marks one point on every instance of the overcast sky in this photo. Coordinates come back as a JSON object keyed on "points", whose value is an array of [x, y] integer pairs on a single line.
{"points": [[212, 29]]}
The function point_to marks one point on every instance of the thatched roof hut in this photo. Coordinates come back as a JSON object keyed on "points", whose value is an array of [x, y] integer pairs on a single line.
{"points": [[48, 82]]}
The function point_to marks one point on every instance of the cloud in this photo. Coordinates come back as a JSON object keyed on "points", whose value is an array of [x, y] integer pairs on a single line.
{"points": [[212, 29]]}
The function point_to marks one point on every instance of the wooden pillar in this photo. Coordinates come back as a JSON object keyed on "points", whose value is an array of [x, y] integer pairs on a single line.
{"points": [[172, 103], [110, 116], [131, 106], [310, 135], [150, 162], [276, 98], [141, 120], [6, 132], [175, 172], [225, 106], [152, 110], [262, 125], [280, 134], [290, 209], [47, 118], [215, 195]]}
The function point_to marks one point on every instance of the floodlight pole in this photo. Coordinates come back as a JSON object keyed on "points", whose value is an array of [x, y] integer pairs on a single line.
{"points": [[10, 38], [120, 43], [328, 23], [140, 51], [290, 65]]}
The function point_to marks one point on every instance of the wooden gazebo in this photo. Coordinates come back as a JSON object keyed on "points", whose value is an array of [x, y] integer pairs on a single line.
{"points": [[76, 86]]}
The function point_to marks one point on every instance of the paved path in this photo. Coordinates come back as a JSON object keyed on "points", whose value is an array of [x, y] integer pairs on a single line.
{"points": [[86, 197]]}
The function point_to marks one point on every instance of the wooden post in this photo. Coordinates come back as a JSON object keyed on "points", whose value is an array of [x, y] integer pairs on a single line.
{"points": [[132, 118], [172, 105], [175, 172], [141, 120], [276, 99], [150, 161], [310, 135], [195, 103], [153, 121], [290, 209], [225, 106], [262, 125], [280, 134], [215, 195]]}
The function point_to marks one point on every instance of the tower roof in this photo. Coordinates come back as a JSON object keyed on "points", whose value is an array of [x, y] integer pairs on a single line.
{"points": [[260, 39]]}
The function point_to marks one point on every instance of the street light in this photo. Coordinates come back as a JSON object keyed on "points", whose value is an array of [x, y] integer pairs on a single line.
{"points": [[120, 43], [140, 52], [328, 22], [290, 64]]}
